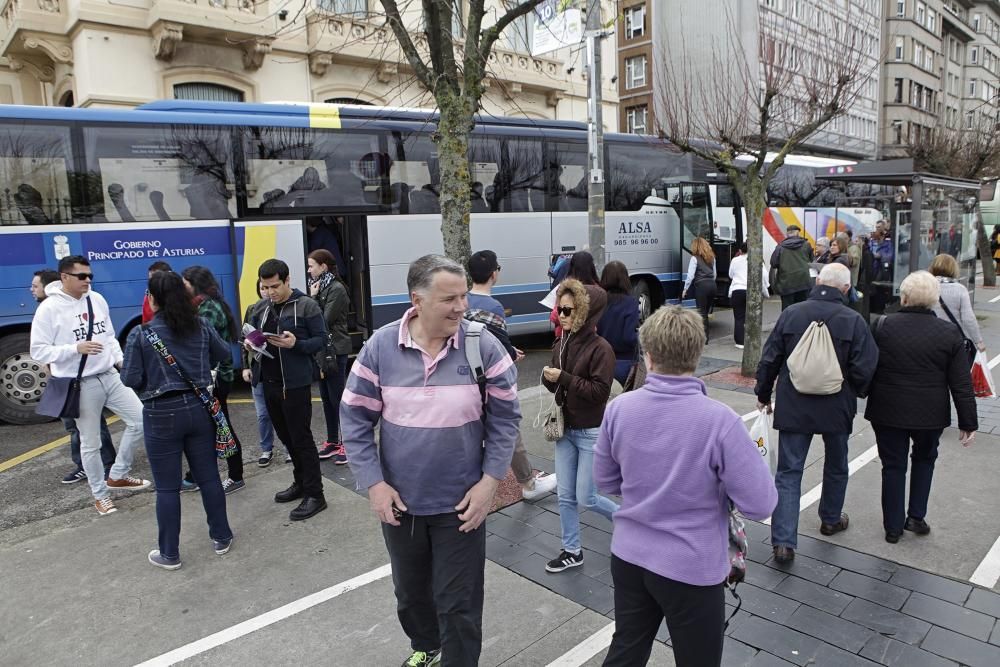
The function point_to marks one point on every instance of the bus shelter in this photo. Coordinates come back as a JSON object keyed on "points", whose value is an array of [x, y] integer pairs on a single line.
{"points": [[924, 215]]}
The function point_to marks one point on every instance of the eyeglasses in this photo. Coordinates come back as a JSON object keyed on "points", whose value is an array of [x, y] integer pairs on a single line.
{"points": [[566, 311], [81, 276]]}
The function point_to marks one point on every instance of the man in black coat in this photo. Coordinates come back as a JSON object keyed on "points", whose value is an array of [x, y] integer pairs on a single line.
{"points": [[797, 416], [790, 261]]}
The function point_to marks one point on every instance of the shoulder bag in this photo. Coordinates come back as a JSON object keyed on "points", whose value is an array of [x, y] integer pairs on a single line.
{"points": [[552, 421], [968, 345], [225, 444], [62, 395]]}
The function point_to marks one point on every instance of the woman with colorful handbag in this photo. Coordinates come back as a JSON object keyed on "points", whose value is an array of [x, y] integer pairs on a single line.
{"points": [[168, 363]]}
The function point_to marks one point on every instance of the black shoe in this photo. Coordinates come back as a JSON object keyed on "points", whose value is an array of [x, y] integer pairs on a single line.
{"points": [[784, 554], [309, 507], [918, 526], [564, 561], [294, 492], [834, 528], [892, 536]]}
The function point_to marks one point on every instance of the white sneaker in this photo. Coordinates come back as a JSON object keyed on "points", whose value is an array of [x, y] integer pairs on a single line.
{"points": [[542, 484], [738, 346]]}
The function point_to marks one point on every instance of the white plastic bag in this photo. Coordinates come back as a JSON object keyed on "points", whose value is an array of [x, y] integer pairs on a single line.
{"points": [[760, 433]]}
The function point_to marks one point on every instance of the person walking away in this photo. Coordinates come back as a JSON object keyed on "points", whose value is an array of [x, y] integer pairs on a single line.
{"points": [[39, 281], [411, 379], [738, 292], [582, 268], [147, 311], [619, 325], [484, 272], [205, 293], [854, 254], [580, 376], [790, 261], [175, 419], [798, 416], [331, 296], [72, 330], [296, 332], [265, 429], [955, 296], [701, 274], [677, 458], [921, 360]]}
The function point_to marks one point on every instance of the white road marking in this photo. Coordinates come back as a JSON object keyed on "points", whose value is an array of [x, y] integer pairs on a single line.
{"points": [[994, 361], [812, 496], [988, 572], [586, 649], [995, 299], [267, 618]]}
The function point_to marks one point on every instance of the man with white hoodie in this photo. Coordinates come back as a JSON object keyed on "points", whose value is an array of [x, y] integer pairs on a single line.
{"points": [[59, 337]]}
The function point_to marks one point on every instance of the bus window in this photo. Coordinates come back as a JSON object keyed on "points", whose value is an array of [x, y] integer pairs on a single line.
{"points": [[566, 176], [515, 164], [414, 178], [988, 191], [34, 163], [725, 196], [300, 167], [143, 174], [635, 170]]}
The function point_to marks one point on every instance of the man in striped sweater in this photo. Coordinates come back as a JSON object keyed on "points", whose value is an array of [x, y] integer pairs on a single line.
{"points": [[432, 477]]}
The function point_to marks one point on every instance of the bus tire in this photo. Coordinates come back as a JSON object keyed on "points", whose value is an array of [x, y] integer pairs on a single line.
{"points": [[22, 381], [644, 295]]}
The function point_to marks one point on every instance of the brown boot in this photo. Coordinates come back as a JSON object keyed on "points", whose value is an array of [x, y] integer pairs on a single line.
{"points": [[834, 528], [784, 554]]}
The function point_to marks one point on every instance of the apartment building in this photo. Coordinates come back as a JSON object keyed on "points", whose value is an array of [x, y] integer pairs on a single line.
{"points": [[635, 66], [122, 53]]}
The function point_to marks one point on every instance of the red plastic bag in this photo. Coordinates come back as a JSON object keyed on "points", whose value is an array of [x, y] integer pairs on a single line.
{"points": [[982, 378]]}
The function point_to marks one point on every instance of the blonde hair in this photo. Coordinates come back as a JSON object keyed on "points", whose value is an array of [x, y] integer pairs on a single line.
{"points": [[920, 289], [701, 248], [944, 265], [674, 338]]}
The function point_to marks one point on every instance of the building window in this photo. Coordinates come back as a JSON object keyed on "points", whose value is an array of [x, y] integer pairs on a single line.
{"points": [[932, 20], [974, 55], [976, 20], [972, 87], [921, 12], [899, 48], [347, 100], [635, 72], [636, 119], [635, 22], [969, 120], [897, 132], [900, 7], [344, 6], [918, 54], [211, 92], [899, 91], [518, 35], [928, 60]]}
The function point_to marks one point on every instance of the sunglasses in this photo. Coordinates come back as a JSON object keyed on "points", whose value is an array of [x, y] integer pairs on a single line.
{"points": [[565, 311], [81, 276]]}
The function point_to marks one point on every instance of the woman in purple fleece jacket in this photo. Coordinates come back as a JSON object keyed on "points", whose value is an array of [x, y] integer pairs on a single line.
{"points": [[674, 455]]}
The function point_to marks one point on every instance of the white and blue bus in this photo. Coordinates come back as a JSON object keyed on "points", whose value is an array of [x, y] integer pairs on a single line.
{"points": [[227, 186]]}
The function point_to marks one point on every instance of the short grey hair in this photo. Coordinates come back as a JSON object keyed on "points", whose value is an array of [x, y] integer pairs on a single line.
{"points": [[823, 241], [920, 289], [421, 273], [834, 275], [674, 338]]}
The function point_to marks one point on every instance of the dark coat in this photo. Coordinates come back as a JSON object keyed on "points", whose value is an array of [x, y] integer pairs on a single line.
{"points": [[921, 359], [856, 350], [791, 260], [303, 317]]}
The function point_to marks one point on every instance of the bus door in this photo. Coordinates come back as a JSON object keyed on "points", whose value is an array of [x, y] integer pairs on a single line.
{"points": [[694, 207]]}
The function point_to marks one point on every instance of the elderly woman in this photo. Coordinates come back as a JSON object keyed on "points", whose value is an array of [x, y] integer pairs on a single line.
{"points": [[955, 296], [921, 359], [676, 457]]}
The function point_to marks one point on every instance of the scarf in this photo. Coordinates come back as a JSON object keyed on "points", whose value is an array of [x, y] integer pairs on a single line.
{"points": [[324, 280]]}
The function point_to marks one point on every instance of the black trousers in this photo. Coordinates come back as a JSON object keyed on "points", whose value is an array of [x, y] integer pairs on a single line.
{"points": [[438, 575], [291, 414], [739, 303], [893, 447], [793, 298], [704, 298], [695, 618], [235, 462]]}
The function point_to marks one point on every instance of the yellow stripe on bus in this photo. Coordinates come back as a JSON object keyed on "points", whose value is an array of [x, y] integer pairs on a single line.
{"points": [[324, 115], [259, 245]]}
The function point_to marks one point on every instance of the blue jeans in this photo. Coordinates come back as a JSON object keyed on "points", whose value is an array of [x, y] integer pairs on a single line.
{"points": [[792, 451], [174, 426], [107, 445], [264, 427], [575, 479]]}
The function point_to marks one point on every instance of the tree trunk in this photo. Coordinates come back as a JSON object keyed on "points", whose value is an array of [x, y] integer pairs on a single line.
{"points": [[985, 254], [452, 139], [754, 202]]}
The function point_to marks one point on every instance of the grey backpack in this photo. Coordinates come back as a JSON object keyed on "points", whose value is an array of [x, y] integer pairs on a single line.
{"points": [[813, 365]]}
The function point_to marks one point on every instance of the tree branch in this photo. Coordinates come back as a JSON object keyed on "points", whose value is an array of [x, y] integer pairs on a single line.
{"points": [[491, 34], [424, 73]]}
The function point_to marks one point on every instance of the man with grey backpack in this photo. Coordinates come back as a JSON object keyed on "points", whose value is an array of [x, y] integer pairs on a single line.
{"points": [[823, 357]]}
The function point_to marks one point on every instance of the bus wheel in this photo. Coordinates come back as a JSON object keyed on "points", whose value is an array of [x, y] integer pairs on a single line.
{"points": [[642, 292], [22, 380]]}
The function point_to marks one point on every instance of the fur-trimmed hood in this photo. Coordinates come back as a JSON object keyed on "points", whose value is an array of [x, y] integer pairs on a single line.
{"points": [[590, 300]]}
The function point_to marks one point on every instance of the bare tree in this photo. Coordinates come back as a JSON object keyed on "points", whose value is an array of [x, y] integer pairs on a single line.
{"points": [[972, 153], [762, 101]]}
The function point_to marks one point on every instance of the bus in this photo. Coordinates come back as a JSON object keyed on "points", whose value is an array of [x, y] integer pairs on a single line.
{"points": [[228, 185]]}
